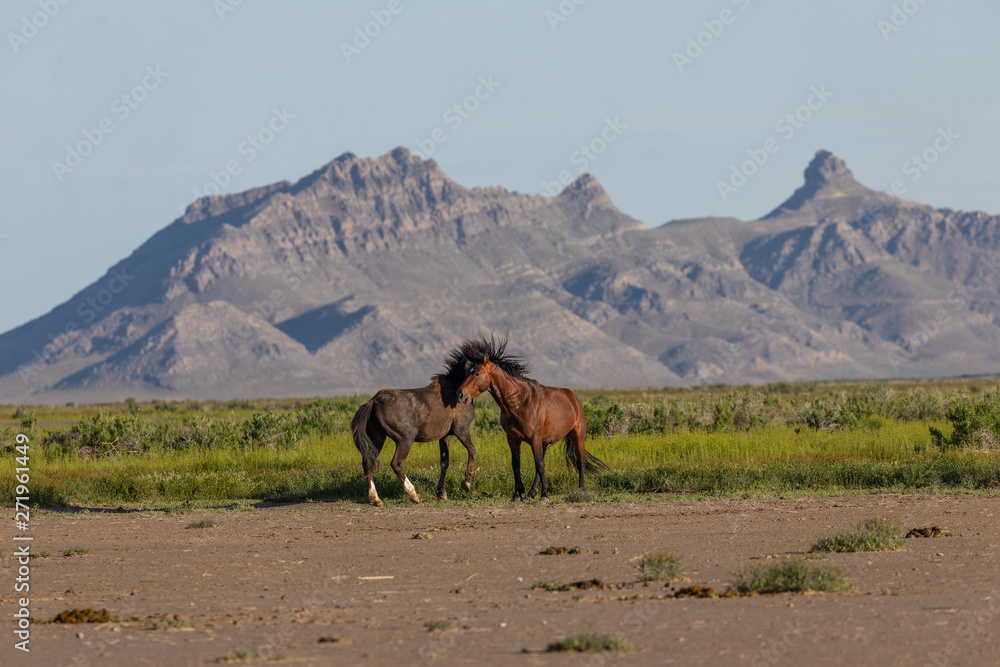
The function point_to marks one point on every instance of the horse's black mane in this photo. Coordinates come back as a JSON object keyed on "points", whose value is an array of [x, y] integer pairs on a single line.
{"points": [[495, 349], [455, 367]]}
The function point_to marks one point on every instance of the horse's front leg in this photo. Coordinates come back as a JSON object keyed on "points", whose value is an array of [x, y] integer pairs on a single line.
{"points": [[515, 462], [539, 451], [466, 439]]}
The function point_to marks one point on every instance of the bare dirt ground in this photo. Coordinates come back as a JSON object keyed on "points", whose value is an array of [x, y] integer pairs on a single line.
{"points": [[274, 581]]}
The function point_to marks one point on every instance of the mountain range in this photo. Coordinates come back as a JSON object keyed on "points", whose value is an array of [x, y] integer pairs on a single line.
{"points": [[364, 274]]}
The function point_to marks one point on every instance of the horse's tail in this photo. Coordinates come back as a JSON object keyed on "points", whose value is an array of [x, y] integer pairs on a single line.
{"points": [[359, 429], [590, 462]]}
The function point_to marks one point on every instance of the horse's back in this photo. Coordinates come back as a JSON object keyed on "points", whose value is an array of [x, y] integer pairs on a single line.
{"points": [[420, 414]]}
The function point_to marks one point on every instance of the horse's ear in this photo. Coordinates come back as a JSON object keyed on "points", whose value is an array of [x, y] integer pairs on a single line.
{"points": [[486, 358]]}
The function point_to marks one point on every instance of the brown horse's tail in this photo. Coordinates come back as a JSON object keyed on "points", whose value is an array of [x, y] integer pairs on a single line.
{"points": [[590, 462], [359, 429]]}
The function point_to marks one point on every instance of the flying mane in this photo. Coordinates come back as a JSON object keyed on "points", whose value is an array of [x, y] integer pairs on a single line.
{"points": [[479, 350], [456, 367]]}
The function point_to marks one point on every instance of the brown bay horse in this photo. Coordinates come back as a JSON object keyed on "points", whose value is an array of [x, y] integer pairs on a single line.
{"points": [[529, 411], [415, 415]]}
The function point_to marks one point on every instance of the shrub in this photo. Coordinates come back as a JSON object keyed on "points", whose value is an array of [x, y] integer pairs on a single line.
{"points": [[660, 566], [874, 534], [206, 433], [590, 642], [975, 424], [325, 416], [605, 418], [271, 430], [29, 422], [107, 435], [794, 575]]}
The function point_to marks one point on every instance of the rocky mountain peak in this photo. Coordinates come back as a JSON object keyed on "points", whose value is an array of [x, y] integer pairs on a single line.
{"points": [[828, 170], [826, 177], [588, 190]]}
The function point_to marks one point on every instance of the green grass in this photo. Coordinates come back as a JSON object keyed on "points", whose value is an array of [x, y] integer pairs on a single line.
{"points": [[76, 551], [874, 534], [240, 656], [660, 566], [439, 625], [549, 585], [590, 642], [781, 440], [794, 575], [166, 622]]}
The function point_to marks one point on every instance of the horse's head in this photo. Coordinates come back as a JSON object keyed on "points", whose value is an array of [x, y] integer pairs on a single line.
{"points": [[477, 380]]}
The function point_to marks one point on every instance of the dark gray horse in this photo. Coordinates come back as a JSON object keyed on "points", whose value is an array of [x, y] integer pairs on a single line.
{"points": [[415, 415]]}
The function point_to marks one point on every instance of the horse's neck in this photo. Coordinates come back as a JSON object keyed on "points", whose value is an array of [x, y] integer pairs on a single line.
{"points": [[508, 392]]}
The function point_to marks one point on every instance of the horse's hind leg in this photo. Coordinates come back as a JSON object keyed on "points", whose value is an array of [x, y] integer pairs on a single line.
{"points": [[378, 440], [402, 450], [441, 493]]}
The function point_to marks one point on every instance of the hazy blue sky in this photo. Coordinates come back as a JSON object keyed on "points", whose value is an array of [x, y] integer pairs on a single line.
{"points": [[220, 76]]}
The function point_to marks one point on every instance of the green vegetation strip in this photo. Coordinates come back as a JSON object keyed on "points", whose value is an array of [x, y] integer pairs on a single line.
{"points": [[772, 441]]}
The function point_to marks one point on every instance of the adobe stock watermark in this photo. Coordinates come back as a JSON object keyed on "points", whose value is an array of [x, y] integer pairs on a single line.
{"points": [[634, 621], [456, 115], [223, 7], [364, 34], [562, 12], [899, 17], [914, 167], [121, 107], [33, 24], [714, 28], [264, 309], [248, 149], [753, 330], [396, 351], [956, 300], [87, 309], [778, 648], [285, 632], [583, 156], [972, 627], [786, 126]]}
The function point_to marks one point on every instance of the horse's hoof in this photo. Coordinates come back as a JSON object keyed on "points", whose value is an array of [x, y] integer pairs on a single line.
{"points": [[515, 499], [466, 486], [544, 499], [442, 496], [377, 503], [415, 498]]}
